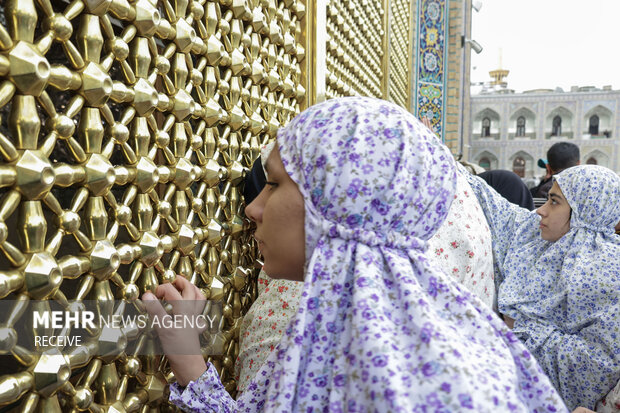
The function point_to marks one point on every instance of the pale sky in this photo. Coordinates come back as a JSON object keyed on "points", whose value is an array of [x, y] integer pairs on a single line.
{"points": [[549, 43]]}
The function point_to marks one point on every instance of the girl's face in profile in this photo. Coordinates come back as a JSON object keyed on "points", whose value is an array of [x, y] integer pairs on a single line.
{"points": [[554, 215], [278, 212]]}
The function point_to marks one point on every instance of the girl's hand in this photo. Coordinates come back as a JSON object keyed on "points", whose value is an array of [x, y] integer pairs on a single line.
{"points": [[427, 122], [181, 343]]}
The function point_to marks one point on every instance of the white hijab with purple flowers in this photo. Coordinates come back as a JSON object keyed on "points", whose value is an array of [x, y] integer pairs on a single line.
{"points": [[378, 327]]}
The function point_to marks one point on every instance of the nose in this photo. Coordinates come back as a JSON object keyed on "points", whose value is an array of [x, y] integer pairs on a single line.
{"points": [[542, 211], [254, 210]]}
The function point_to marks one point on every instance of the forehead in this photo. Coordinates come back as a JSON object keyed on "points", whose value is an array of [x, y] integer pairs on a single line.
{"points": [[274, 162], [555, 189]]}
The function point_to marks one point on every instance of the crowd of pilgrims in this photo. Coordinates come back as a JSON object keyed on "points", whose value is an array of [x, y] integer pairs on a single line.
{"points": [[395, 280]]}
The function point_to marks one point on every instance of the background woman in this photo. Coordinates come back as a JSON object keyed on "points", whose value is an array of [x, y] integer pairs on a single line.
{"points": [[559, 278]]}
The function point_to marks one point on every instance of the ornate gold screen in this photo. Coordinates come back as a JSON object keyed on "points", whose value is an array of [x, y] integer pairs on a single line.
{"points": [[126, 128], [401, 57], [369, 49], [355, 49]]}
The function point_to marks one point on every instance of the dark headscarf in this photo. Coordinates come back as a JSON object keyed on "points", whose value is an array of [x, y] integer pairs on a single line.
{"points": [[510, 186], [254, 181]]}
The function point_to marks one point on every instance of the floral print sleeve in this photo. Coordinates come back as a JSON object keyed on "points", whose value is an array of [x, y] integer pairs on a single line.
{"points": [[264, 324], [508, 222], [207, 394], [462, 245], [611, 402], [579, 363]]}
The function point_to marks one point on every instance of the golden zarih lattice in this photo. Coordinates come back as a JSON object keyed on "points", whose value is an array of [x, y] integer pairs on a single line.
{"points": [[399, 89], [355, 48], [368, 49], [126, 128]]}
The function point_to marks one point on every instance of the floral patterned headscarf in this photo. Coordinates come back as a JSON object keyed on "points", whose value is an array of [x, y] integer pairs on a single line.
{"points": [[593, 192], [378, 327]]}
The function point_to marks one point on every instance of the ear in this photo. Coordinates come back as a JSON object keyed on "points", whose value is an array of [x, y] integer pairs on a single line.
{"points": [[549, 171]]}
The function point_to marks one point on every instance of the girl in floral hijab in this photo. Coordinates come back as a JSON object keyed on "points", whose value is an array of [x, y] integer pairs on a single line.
{"points": [[461, 247], [379, 329], [563, 290]]}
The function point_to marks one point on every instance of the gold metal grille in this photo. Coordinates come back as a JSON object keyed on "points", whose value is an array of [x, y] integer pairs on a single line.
{"points": [[368, 49], [126, 129], [355, 48], [399, 87]]}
